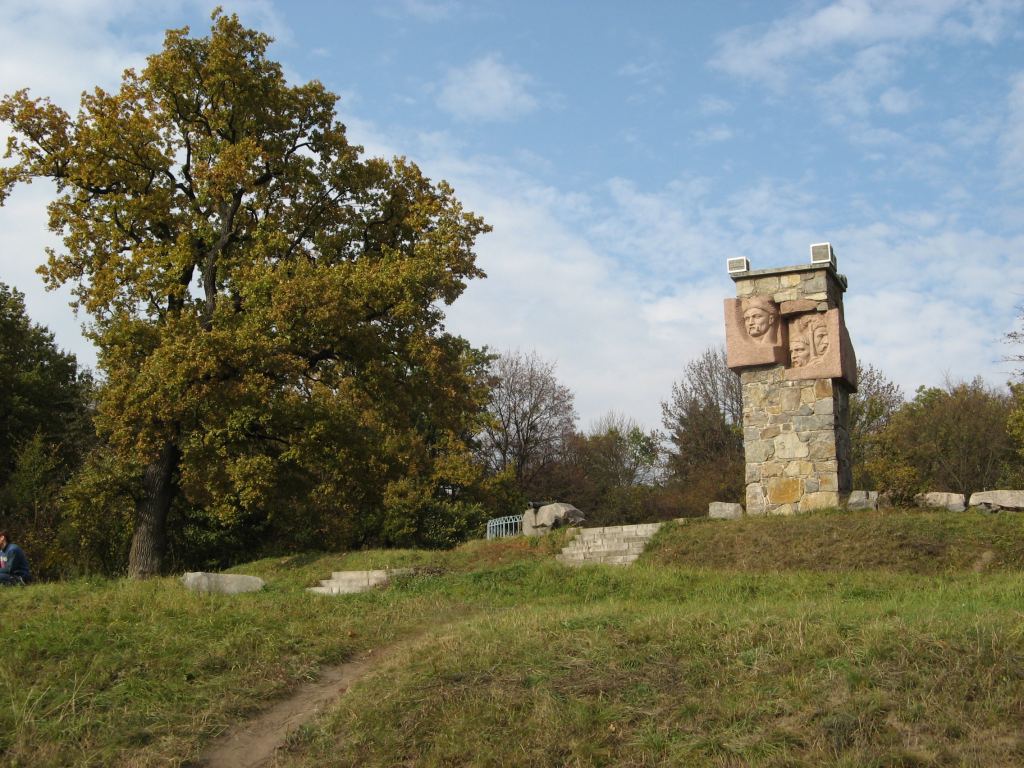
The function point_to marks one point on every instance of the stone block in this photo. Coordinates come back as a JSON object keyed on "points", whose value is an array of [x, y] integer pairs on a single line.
{"points": [[752, 473], [786, 294], [757, 451], [862, 500], [789, 446], [819, 500], [723, 510], [813, 423], [755, 499], [784, 490], [754, 333], [954, 502], [783, 509], [772, 469], [822, 451], [798, 469], [797, 306], [998, 499], [789, 399], [222, 583], [813, 283], [825, 407], [769, 432]]}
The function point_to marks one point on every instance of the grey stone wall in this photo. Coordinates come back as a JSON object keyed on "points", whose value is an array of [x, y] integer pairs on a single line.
{"points": [[796, 442], [795, 432]]}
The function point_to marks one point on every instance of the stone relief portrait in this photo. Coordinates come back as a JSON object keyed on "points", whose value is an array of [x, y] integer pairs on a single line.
{"points": [[808, 340], [754, 332], [761, 319]]}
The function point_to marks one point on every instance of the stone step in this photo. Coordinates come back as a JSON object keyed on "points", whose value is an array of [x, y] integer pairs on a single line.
{"points": [[624, 541], [610, 545], [643, 529], [379, 573], [599, 547], [606, 560], [617, 540], [351, 582]]}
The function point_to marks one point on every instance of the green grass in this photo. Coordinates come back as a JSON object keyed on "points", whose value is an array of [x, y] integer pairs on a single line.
{"points": [[913, 542], [891, 646]]}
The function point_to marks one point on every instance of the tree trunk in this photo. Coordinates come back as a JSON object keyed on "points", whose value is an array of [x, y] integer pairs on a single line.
{"points": [[149, 539]]}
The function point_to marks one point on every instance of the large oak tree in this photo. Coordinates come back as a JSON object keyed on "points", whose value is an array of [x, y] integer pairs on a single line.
{"points": [[265, 302]]}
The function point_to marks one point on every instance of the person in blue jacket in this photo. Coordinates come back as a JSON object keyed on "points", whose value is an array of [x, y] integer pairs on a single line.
{"points": [[13, 563]]}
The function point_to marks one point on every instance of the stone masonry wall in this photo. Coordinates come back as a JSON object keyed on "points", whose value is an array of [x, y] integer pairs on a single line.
{"points": [[813, 285], [792, 438], [795, 430]]}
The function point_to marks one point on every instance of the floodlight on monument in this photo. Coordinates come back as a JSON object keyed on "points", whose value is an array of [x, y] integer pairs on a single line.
{"points": [[822, 253], [737, 265]]}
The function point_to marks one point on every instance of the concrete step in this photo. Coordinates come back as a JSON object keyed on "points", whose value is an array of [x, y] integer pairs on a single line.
{"points": [[351, 582], [609, 560], [614, 542], [615, 537], [610, 545], [595, 553], [377, 574], [643, 529]]}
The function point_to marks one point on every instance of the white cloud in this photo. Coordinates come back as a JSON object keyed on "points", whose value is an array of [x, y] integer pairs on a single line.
{"points": [[765, 54], [1011, 142], [648, 75], [59, 60], [712, 106], [23, 221], [848, 92], [487, 90], [425, 10], [713, 134], [897, 101]]}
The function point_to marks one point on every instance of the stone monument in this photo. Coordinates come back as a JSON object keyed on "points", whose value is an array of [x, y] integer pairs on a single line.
{"points": [[786, 338]]}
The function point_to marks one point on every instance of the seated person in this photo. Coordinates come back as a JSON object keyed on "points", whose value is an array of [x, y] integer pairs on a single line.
{"points": [[13, 563]]}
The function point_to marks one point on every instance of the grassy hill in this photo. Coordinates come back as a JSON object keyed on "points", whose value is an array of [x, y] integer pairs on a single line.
{"points": [[856, 639]]}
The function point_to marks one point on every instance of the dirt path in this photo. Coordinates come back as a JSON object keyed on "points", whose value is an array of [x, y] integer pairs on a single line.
{"points": [[252, 744]]}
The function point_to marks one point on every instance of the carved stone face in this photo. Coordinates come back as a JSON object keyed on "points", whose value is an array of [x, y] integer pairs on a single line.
{"points": [[820, 339], [799, 352], [757, 321]]}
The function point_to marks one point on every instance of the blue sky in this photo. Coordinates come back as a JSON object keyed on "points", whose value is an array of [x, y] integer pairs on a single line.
{"points": [[622, 153]]}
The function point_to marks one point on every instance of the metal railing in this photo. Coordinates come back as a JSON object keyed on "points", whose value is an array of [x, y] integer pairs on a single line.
{"points": [[501, 527]]}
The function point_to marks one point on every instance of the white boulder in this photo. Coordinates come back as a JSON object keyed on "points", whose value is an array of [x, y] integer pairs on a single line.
{"points": [[954, 502], [537, 522], [862, 500], [724, 510], [222, 583], [998, 499]]}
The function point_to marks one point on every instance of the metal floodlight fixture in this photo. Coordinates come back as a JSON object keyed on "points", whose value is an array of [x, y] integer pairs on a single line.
{"points": [[822, 253], [737, 265]]}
